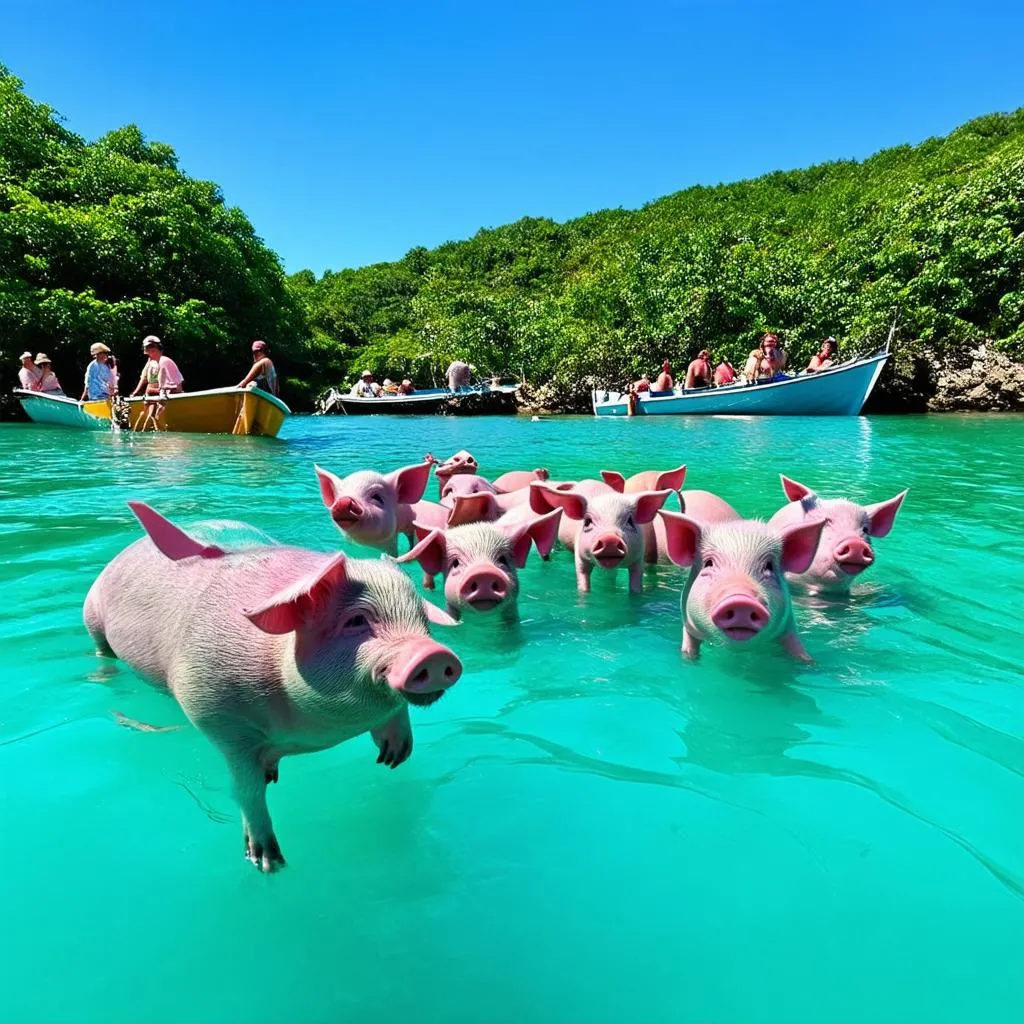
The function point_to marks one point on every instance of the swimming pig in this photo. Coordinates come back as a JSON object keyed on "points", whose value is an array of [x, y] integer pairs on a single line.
{"points": [[270, 651]]}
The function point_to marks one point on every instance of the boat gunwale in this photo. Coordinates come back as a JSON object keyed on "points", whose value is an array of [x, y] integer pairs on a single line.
{"points": [[23, 393]]}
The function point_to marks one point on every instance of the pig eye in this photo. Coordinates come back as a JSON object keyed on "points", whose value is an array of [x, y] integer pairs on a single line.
{"points": [[709, 563], [454, 564], [630, 522], [768, 568], [377, 500], [356, 623], [502, 561]]}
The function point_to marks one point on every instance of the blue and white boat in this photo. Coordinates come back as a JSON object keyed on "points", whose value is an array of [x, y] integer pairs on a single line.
{"points": [[840, 391]]}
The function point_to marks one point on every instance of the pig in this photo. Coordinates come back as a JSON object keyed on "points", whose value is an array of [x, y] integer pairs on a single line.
{"points": [[736, 589], [845, 550], [462, 508], [373, 508], [606, 528], [649, 480], [479, 561], [518, 480], [460, 462], [270, 651], [466, 484], [703, 506]]}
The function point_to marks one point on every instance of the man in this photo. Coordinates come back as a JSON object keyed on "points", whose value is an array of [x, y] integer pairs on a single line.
{"points": [[406, 388], [825, 358], [100, 382], [458, 374], [698, 373], [160, 378], [642, 385], [724, 373], [664, 381], [29, 375], [365, 387], [765, 361]]}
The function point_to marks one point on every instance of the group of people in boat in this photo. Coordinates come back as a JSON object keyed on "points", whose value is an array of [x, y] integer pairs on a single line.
{"points": [[459, 375], [765, 363], [159, 379]]}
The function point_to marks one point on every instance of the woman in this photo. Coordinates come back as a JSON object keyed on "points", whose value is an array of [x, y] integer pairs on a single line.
{"points": [[160, 377], [29, 375], [765, 361], [826, 357], [261, 374], [48, 383], [100, 382]]}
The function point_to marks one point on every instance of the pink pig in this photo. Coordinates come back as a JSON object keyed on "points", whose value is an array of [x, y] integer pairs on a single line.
{"points": [[703, 506], [271, 650], [374, 508], [479, 561], [648, 480], [845, 550], [606, 528], [466, 484], [736, 588], [518, 480], [460, 462]]}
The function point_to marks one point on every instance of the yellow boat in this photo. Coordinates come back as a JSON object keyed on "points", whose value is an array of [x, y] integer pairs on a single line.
{"points": [[218, 411]]}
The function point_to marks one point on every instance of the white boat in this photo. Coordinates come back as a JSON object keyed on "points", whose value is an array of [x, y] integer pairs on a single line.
{"points": [[840, 391], [474, 399], [63, 411]]}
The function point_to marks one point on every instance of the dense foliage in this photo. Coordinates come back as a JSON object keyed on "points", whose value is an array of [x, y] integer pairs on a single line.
{"points": [[935, 230], [108, 241]]}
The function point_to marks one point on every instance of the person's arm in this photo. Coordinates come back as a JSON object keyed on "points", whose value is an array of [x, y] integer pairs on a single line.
{"points": [[253, 373], [750, 370], [142, 382], [690, 376]]}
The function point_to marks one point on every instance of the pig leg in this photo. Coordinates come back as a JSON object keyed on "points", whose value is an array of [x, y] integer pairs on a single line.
{"points": [[583, 571], [94, 625], [691, 644], [636, 578], [394, 739], [792, 644], [428, 582]]}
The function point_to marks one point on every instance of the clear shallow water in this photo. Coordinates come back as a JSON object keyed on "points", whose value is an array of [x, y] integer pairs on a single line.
{"points": [[589, 829]]}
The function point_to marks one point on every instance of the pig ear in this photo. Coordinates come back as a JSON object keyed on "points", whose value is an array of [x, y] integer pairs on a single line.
{"points": [[410, 482], [541, 474], [574, 505], [648, 503], [171, 541], [883, 515], [330, 486], [616, 481], [473, 508], [682, 537], [289, 609], [671, 479], [543, 532], [438, 616], [430, 552], [793, 490], [800, 545]]}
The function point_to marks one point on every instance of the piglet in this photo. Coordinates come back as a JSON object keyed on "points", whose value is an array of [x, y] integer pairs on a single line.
{"points": [[374, 508], [460, 462], [479, 561], [606, 528], [736, 589], [845, 550], [703, 506], [271, 650], [496, 504], [648, 480]]}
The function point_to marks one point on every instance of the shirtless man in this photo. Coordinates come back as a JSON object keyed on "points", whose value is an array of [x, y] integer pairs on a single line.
{"points": [[698, 373]]}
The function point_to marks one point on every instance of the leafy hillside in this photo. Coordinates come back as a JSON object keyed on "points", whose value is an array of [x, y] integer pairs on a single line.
{"points": [[109, 241], [933, 229]]}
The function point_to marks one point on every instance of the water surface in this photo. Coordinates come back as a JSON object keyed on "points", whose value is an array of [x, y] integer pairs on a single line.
{"points": [[589, 829]]}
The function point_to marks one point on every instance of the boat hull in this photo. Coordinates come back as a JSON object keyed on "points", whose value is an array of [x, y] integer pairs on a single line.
{"points": [[471, 401], [838, 392], [218, 411]]}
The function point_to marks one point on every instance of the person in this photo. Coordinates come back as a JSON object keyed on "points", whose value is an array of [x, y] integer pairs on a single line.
{"points": [[29, 375], [389, 387], [825, 357], [48, 383], [100, 382], [406, 388], [261, 374], [765, 361], [664, 381], [724, 373], [365, 387], [160, 377], [458, 374], [641, 385], [698, 373]]}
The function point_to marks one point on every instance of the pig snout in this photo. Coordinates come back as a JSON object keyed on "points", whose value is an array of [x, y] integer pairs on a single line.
{"points": [[609, 549], [422, 670], [346, 510], [739, 615], [483, 588], [853, 555]]}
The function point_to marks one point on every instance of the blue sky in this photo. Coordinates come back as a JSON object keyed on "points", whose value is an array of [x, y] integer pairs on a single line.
{"points": [[350, 133]]}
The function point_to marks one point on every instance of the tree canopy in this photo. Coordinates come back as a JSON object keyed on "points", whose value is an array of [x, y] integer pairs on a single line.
{"points": [[109, 241]]}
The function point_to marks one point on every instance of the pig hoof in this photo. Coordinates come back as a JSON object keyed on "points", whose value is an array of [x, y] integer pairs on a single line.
{"points": [[393, 756], [273, 775], [266, 856]]}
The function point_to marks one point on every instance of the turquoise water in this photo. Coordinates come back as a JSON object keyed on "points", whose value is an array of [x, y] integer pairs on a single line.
{"points": [[589, 828]]}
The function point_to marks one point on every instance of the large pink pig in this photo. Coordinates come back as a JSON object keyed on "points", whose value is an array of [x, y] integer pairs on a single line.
{"points": [[271, 650], [845, 550], [466, 484], [736, 589], [460, 462], [518, 479], [703, 506], [606, 528], [479, 561], [648, 480], [374, 508]]}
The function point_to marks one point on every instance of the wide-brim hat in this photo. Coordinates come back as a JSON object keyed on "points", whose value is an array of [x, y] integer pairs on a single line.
{"points": [[25, 355], [151, 339], [366, 373], [42, 357], [97, 348]]}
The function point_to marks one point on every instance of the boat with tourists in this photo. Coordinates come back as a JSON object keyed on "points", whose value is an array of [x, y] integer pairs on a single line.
{"points": [[216, 411], [472, 400], [839, 391]]}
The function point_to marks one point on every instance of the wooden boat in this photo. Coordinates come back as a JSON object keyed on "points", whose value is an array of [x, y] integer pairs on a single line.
{"points": [[478, 399], [217, 411], [840, 391]]}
